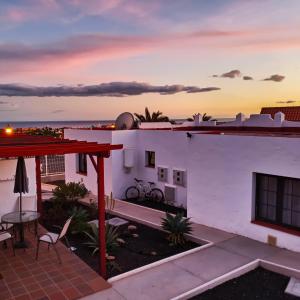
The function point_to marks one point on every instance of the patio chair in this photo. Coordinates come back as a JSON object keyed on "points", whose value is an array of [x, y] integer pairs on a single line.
{"points": [[52, 238], [5, 236]]}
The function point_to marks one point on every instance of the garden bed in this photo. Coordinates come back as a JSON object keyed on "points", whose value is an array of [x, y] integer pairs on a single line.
{"points": [[159, 206], [149, 246], [258, 284], [142, 246]]}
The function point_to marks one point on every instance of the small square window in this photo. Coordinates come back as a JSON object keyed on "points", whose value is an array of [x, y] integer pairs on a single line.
{"points": [[81, 161], [150, 159]]}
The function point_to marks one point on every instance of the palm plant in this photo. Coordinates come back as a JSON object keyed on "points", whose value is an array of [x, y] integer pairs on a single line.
{"points": [[154, 117], [177, 226], [79, 221], [111, 236], [205, 117], [71, 191]]}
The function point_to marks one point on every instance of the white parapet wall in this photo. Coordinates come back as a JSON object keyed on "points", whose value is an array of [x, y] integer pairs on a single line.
{"points": [[9, 201]]}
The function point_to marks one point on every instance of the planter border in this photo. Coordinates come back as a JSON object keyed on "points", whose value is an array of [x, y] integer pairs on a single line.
{"points": [[271, 266], [157, 263], [219, 280]]}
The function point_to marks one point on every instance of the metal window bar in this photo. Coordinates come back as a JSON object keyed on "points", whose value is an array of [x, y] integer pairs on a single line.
{"points": [[52, 164]]}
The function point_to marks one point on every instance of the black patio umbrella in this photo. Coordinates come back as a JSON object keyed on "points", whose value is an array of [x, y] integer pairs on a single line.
{"points": [[21, 180]]}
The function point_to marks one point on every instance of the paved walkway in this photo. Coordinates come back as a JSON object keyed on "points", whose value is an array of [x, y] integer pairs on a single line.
{"points": [[24, 277], [173, 278]]}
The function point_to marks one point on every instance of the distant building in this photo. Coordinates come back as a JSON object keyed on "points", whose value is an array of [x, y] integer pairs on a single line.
{"points": [[292, 113]]}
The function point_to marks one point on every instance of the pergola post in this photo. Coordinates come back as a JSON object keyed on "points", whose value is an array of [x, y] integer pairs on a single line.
{"points": [[38, 183], [101, 215]]}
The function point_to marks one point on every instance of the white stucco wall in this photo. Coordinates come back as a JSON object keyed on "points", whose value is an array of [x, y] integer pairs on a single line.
{"points": [[89, 180], [8, 200], [220, 171], [220, 177], [170, 149], [122, 177]]}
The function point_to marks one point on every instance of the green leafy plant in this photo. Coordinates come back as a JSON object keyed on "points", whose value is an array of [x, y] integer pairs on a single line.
{"points": [[177, 226], [112, 265], [79, 221], [111, 236], [46, 131], [154, 117], [69, 192]]}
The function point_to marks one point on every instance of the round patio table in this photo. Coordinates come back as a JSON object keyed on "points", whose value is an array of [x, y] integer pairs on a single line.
{"points": [[19, 218]]}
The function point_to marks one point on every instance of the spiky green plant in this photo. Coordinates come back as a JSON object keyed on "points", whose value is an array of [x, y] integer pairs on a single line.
{"points": [[79, 221], [111, 236], [71, 191], [176, 225]]}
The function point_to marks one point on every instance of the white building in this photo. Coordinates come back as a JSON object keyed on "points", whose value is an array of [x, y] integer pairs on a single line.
{"points": [[245, 181]]}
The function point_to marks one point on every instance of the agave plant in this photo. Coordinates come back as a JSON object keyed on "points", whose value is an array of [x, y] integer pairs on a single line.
{"points": [[79, 220], [176, 225], [111, 236], [71, 191]]}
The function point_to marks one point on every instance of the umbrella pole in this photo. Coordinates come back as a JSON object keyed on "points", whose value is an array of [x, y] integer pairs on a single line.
{"points": [[20, 203]]}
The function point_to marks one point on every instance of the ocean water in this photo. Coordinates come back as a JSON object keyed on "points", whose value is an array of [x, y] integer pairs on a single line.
{"points": [[55, 124], [74, 124]]}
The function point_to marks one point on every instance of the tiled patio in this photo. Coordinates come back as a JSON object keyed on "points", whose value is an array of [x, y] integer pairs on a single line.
{"points": [[26, 278]]}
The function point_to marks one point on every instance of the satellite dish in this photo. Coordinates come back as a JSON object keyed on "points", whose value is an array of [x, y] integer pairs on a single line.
{"points": [[125, 121]]}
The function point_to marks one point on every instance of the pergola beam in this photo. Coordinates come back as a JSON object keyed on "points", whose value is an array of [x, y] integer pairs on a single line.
{"points": [[34, 146], [38, 184], [101, 215]]}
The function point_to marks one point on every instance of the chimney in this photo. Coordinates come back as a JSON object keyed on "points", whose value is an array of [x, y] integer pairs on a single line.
{"points": [[279, 118], [240, 117], [197, 119]]}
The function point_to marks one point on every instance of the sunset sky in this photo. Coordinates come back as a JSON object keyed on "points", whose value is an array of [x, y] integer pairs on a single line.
{"points": [[93, 59]]}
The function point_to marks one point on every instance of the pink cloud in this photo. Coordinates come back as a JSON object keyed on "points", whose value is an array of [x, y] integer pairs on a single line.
{"points": [[30, 10], [87, 49]]}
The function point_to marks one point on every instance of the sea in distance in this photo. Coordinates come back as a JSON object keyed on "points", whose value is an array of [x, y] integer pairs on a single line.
{"points": [[55, 124], [74, 124]]}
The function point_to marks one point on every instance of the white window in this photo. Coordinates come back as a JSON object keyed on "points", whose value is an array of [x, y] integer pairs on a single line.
{"points": [[150, 159], [81, 163]]}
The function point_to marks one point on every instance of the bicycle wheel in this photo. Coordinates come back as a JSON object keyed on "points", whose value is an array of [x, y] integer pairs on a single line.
{"points": [[157, 195], [132, 193]]}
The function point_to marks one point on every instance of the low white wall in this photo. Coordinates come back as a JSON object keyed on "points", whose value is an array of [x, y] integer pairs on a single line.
{"points": [[8, 200], [220, 177]]}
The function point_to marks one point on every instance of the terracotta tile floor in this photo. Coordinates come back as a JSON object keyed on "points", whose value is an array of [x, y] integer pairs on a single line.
{"points": [[25, 278]]}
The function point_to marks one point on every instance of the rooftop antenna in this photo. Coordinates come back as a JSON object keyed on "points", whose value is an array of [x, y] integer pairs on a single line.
{"points": [[124, 121]]}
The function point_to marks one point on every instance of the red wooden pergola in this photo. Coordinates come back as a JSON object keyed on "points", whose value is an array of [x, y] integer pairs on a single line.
{"points": [[15, 145]]}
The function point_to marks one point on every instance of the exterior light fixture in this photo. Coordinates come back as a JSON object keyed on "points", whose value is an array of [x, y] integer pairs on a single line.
{"points": [[8, 130]]}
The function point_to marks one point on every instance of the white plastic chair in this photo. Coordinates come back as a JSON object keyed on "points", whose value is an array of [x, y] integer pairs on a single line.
{"points": [[4, 236], [52, 238]]}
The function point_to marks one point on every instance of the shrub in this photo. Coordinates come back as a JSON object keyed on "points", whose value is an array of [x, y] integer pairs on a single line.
{"points": [[177, 226], [70, 192], [111, 236], [46, 131], [79, 221]]}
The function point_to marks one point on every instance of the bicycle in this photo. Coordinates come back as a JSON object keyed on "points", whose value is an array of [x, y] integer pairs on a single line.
{"points": [[144, 190]]}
